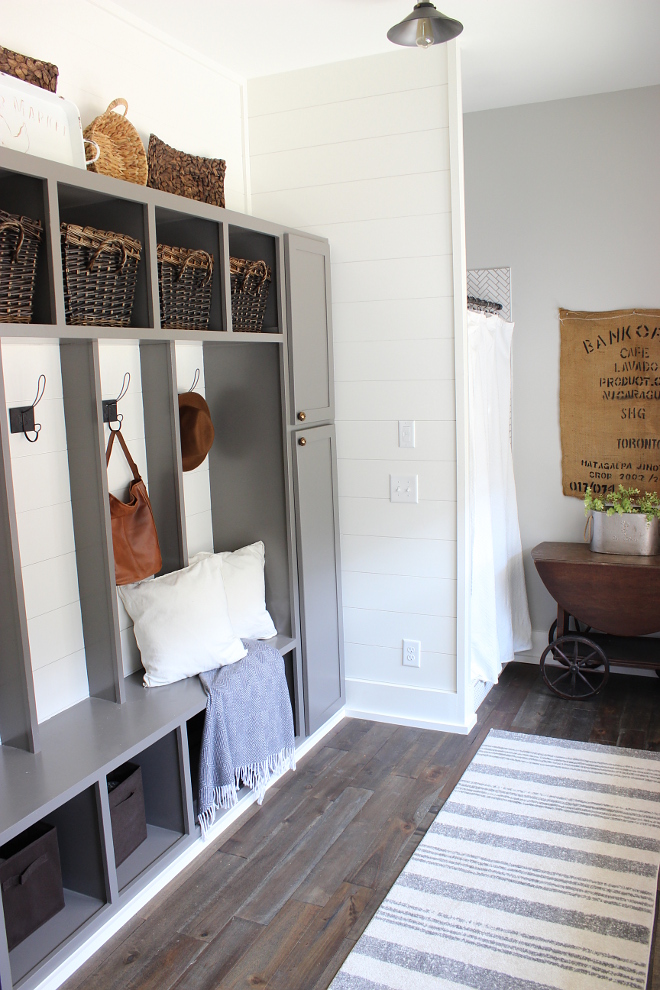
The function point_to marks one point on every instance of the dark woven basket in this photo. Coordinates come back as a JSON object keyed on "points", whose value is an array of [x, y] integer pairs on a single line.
{"points": [[185, 279], [186, 175], [19, 244], [250, 282], [100, 271], [30, 70]]}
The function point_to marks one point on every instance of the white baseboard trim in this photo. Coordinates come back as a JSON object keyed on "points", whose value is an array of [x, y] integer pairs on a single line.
{"points": [[404, 704], [415, 723], [131, 908]]}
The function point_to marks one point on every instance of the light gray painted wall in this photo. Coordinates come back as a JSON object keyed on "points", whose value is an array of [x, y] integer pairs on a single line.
{"points": [[567, 194]]}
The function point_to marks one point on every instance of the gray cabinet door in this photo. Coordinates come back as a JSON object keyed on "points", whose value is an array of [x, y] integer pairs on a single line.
{"points": [[310, 330], [317, 526]]}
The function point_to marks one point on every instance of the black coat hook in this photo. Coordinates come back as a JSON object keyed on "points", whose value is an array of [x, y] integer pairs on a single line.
{"points": [[110, 414], [195, 381], [21, 418]]}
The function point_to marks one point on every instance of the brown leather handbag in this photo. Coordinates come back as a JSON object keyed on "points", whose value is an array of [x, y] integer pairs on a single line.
{"points": [[134, 536]]}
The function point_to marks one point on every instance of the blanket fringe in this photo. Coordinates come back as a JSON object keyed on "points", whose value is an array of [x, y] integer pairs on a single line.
{"points": [[256, 776]]}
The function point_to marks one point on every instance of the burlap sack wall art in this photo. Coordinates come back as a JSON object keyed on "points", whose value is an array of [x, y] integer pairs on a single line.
{"points": [[609, 400]]}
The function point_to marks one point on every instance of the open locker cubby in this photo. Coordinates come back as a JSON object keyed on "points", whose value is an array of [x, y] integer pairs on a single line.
{"points": [[89, 208], [89, 492], [162, 782], [82, 859], [253, 245], [196, 233], [26, 196], [247, 462]]}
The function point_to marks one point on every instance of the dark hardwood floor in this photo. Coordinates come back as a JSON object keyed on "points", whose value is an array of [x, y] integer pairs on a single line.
{"points": [[280, 900]]}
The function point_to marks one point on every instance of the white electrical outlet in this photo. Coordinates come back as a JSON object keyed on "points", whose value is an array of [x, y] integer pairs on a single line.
{"points": [[406, 433], [412, 649], [403, 488]]}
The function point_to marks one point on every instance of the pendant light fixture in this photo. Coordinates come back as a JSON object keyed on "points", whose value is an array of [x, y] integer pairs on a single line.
{"points": [[426, 26]]}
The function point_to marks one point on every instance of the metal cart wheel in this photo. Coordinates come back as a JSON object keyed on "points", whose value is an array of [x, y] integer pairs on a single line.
{"points": [[583, 667], [580, 629]]}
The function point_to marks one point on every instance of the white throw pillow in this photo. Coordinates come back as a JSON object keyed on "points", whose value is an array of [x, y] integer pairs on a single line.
{"points": [[181, 622], [245, 587]]}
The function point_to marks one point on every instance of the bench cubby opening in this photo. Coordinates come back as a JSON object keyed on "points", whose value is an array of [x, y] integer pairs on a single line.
{"points": [[162, 783], [84, 879]]}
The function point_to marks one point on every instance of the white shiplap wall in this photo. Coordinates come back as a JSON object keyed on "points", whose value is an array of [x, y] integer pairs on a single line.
{"points": [[359, 152]]}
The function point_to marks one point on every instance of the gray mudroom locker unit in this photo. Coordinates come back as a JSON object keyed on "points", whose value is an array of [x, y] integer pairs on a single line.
{"points": [[272, 476]]}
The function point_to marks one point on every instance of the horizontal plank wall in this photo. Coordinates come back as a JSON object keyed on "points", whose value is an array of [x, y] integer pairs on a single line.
{"points": [[359, 152]]}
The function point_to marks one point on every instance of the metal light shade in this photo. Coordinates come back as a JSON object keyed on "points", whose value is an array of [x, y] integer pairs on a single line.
{"points": [[442, 28]]}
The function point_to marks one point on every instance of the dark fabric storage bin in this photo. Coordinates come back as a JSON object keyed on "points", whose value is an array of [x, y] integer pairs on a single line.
{"points": [[31, 881], [126, 797]]}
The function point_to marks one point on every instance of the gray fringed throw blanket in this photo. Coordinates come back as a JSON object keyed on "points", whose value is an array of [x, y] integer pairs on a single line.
{"points": [[248, 729]]}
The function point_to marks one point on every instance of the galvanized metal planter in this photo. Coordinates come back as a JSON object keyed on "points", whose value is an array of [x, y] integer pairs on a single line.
{"points": [[630, 532]]}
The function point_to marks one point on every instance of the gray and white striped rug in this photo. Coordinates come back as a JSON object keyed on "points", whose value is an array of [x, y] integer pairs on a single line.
{"points": [[539, 872]]}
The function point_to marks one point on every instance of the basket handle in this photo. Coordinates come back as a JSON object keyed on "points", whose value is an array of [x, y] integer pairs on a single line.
{"points": [[119, 102], [90, 161], [257, 274], [589, 525], [15, 225], [191, 257], [109, 244]]}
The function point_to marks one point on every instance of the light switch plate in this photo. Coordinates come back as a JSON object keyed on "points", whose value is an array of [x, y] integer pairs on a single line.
{"points": [[412, 650], [403, 488], [406, 433]]}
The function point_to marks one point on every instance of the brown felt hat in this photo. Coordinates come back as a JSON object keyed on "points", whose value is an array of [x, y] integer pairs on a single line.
{"points": [[196, 427]]}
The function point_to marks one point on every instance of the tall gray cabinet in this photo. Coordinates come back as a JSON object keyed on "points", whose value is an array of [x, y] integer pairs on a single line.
{"points": [[272, 477], [315, 474]]}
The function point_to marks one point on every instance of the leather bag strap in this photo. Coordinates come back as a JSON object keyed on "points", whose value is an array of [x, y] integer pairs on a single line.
{"points": [[131, 463]]}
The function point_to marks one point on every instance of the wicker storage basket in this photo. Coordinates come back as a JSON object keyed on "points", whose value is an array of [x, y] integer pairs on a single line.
{"points": [[100, 271], [250, 282], [30, 70], [121, 150], [185, 279], [186, 175], [19, 244]]}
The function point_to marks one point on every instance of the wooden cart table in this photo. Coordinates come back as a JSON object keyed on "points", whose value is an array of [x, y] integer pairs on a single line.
{"points": [[607, 607]]}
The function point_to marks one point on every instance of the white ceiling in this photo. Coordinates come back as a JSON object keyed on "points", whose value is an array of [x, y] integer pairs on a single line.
{"points": [[513, 51]]}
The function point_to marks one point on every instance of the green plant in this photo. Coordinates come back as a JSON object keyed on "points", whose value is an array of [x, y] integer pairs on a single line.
{"points": [[624, 500]]}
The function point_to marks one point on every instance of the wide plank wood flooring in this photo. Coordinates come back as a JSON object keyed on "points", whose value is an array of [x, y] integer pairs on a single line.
{"points": [[280, 900]]}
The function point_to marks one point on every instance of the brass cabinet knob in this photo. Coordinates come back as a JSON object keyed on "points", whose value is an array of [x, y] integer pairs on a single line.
{"points": [[302, 417], [302, 441]]}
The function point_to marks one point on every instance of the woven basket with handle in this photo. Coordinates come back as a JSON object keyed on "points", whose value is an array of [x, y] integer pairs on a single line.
{"points": [[250, 282], [30, 70], [100, 272], [121, 150], [185, 279], [19, 243]]}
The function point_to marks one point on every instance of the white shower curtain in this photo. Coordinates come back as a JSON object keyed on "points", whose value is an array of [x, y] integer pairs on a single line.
{"points": [[500, 622]]}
